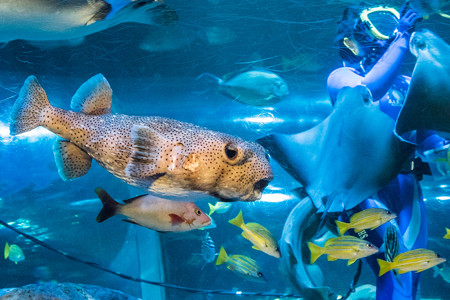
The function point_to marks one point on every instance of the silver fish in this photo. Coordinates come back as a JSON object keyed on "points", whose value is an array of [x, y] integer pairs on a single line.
{"points": [[154, 213], [256, 87], [208, 249], [44, 20], [159, 155]]}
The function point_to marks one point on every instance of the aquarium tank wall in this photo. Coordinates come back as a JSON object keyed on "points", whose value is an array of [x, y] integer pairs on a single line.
{"points": [[253, 76]]}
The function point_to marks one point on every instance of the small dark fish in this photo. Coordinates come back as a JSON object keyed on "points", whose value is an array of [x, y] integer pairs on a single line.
{"points": [[391, 244]]}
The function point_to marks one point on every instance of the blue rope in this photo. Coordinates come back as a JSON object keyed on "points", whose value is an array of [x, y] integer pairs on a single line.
{"points": [[161, 284]]}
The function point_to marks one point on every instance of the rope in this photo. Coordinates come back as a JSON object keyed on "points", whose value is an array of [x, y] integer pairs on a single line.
{"points": [[161, 284]]}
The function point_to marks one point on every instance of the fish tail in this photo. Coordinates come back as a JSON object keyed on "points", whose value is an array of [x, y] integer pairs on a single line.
{"points": [[211, 208], [316, 251], [385, 266], [110, 206], [222, 256], [6, 250], [342, 227], [238, 221], [447, 234], [219, 81], [26, 112]]}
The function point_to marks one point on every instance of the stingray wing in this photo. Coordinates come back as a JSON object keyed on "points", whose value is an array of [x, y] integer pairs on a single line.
{"points": [[428, 101], [346, 158]]}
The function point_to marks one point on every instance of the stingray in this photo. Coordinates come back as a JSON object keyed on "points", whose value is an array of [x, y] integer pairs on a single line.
{"points": [[427, 103], [347, 157]]}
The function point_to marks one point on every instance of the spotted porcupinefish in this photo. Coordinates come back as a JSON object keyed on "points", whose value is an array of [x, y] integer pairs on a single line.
{"points": [[45, 20], [159, 155], [154, 213]]}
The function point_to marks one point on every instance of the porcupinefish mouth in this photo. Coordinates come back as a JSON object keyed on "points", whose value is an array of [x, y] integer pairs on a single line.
{"points": [[256, 193]]}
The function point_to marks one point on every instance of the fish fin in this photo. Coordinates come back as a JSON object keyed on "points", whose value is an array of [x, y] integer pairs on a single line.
{"points": [[222, 256], [342, 227], [211, 209], [316, 251], [219, 80], [444, 15], [447, 234], [143, 160], [435, 271], [6, 253], [26, 112], [402, 271], [420, 270], [93, 97], [131, 222], [385, 266], [110, 206], [238, 221], [131, 200], [71, 161], [374, 227], [176, 219], [357, 230], [331, 258], [350, 261], [244, 235], [256, 248]]}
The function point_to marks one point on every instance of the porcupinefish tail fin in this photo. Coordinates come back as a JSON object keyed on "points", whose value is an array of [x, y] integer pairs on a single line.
{"points": [[147, 145], [110, 206], [72, 162], [26, 112], [93, 97]]}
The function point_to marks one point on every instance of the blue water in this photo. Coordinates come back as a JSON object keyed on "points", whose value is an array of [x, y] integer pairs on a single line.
{"points": [[162, 82]]}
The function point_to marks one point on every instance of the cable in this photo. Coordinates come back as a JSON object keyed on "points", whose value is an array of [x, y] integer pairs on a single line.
{"points": [[161, 284]]}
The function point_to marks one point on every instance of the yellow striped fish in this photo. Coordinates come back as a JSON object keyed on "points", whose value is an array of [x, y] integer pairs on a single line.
{"points": [[415, 260], [368, 218], [447, 233], [343, 247], [258, 235], [241, 265]]}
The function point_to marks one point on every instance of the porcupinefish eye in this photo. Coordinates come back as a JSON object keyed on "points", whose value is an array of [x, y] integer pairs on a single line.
{"points": [[233, 153], [198, 212]]}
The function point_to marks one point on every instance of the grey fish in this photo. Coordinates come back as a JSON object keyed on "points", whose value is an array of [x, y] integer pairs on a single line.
{"points": [[208, 249], [391, 244], [44, 20], [159, 155], [259, 88]]}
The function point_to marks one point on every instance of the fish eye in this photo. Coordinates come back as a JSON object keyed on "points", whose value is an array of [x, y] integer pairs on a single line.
{"points": [[260, 274], [198, 212], [232, 153], [369, 245], [388, 212]]}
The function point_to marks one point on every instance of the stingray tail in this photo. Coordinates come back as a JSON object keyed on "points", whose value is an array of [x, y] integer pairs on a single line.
{"points": [[27, 110], [110, 206]]}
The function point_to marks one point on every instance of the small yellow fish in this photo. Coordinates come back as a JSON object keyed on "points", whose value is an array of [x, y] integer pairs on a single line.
{"points": [[415, 260], [368, 218], [219, 207], [241, 265], [343, 247], [258, 235], [14, 253], [447, 233]]}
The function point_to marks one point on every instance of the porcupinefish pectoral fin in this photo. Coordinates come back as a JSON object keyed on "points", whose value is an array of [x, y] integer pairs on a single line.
{"points": [[93, 97], [147, 145], [72, 162]]}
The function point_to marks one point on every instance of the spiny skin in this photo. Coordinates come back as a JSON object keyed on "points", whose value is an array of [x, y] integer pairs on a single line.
{"points": [[190, 158]]}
